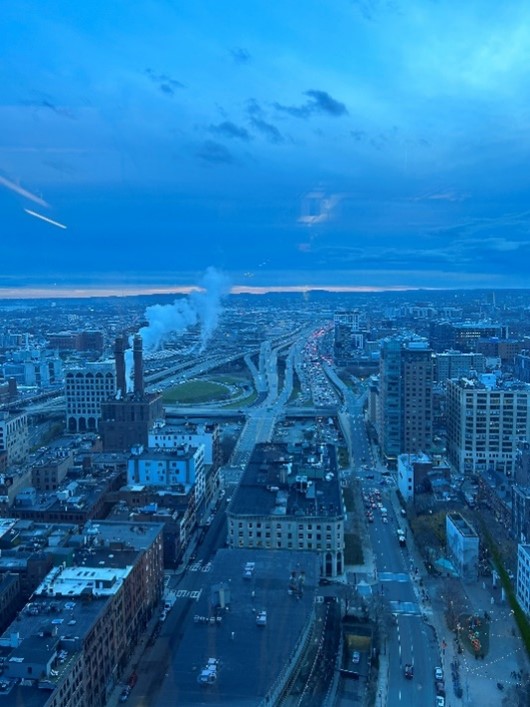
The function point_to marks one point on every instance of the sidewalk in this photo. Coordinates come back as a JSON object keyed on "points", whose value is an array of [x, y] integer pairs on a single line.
{"points": [[506, 654]]}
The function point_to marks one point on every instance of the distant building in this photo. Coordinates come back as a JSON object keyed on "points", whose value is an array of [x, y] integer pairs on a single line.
{"points": [[463, 336], [486, 421], [348, 338], [522, 366], [14, 439], [462, 546], [286, 501], [34, 367], [455, 364], [77, 341], [87, 388]]}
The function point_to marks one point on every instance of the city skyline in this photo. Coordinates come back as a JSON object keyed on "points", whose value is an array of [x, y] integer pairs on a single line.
{"points": [[371, 144]]}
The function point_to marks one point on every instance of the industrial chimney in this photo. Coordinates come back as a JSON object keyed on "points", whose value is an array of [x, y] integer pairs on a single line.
{"points": [[119, 358], [138, 365]]}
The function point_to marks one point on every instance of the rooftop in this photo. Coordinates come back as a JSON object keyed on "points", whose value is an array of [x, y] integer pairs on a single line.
{"points": [[282, 482], [461, 524], [249, 656]]}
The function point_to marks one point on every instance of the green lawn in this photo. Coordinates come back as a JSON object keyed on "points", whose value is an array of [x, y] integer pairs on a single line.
{"points": [[196, 391]]}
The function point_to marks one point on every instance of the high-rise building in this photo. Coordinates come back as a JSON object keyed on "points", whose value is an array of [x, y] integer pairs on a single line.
{"points": [[406, 401], [487, 419]]}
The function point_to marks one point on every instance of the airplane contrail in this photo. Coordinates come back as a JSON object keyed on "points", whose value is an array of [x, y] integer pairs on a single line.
{"points": [[45, 218], [23, 192]]}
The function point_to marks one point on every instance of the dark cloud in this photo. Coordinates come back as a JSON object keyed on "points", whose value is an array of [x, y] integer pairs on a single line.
{"points": [[164, 82], [358, 135], [215, 153], [240, 55], [319, 102], [48, 104], [324, 103], [230, 130], [269, 130], [254, 108]]}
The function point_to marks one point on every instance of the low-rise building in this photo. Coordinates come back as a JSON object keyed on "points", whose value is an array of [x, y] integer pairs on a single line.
{"points": [[412, 472], [72, 643], [462, 546], [290, 501], [14, 438]]}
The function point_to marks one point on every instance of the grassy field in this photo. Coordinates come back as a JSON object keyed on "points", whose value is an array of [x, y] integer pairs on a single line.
{"points": [[243, 403], [196, 391]]}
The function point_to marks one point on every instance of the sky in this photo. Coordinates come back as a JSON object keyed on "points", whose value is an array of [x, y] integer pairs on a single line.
{"points": [[346, 143]]}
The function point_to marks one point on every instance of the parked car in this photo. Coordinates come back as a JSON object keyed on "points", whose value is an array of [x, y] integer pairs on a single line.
{"points": [[440, 701], [356, 657], [438, 673]]}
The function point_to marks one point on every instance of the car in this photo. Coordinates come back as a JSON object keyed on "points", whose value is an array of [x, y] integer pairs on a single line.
{"points": [[438, 673], [324, 581], [356, 657], [440, 701], [409, 671], [124, 694]]}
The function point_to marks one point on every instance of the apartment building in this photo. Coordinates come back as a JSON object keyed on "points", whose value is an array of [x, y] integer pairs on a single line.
{"points": [[72, 643], [405, 422], [486, 421]]}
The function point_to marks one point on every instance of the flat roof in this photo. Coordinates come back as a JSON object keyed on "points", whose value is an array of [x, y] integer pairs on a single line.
{"points": [[461, 524], [250, 657], [281, 482]]}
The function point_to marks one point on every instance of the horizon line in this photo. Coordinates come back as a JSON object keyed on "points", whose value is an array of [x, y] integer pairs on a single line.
{"points": [[71, 292]]}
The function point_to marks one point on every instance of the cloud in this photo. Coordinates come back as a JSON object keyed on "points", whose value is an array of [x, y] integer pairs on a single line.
{"points": [[8, 184], [164, 82], [319, 102], [443, 195], [269, 130], [230, 130], [48, 104], [240, 55], [215, 153]]}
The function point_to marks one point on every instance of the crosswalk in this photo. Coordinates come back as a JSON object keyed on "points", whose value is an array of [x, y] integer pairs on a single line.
{"points": [[188, 594], [393, 577], [199, 567], [407, 608]]}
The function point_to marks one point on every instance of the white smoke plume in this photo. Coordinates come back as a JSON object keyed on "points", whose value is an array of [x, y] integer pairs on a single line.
{"points": [[202, 306]]}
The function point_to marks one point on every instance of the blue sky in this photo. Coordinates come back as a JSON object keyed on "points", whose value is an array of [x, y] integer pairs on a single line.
{"points": [[341, 143]]}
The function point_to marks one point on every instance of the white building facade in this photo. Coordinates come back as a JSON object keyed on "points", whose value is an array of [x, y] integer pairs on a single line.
{"points": [[86, 388], [14, 438], [486, 421]]}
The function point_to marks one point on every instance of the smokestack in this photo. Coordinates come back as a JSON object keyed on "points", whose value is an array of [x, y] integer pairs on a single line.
{"points": [[138, 365], [119, 359]]}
